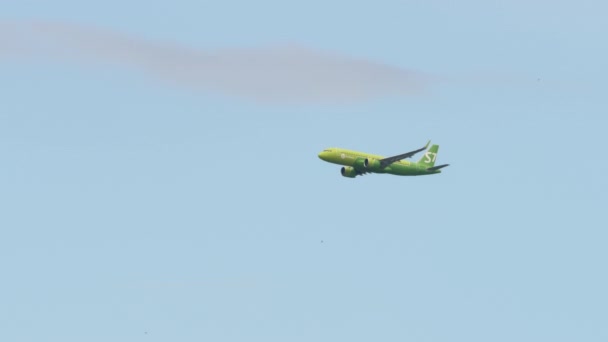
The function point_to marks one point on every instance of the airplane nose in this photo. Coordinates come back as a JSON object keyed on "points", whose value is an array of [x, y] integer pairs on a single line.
{"points": [[322, 155]]}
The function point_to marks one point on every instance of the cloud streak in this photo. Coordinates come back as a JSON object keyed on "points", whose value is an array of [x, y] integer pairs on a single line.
{"points": [[282, 74]]}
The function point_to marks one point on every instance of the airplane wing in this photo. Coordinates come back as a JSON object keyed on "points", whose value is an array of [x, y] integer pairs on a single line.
{"points": [[389, 160]]}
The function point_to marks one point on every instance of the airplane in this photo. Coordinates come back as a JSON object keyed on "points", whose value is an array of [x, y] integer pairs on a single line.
{"points": [[359, 163]]}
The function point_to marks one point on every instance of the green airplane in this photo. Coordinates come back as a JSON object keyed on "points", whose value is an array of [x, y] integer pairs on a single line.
{"points": [[359, 163]]}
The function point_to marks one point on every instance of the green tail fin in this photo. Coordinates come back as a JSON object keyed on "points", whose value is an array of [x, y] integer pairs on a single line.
{"points": [[429, 157]]}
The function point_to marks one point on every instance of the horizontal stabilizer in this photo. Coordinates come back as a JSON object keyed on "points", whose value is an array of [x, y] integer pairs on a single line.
{"points": [[434, 168]]}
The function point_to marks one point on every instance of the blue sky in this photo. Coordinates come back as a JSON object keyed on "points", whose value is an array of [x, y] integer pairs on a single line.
{"points": [[133, 210]]}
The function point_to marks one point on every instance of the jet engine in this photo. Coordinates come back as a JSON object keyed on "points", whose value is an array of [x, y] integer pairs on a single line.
{"points": [[348, 171]]}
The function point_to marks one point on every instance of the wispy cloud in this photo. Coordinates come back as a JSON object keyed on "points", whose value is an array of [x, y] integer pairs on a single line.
{"points": [[291, 74]]}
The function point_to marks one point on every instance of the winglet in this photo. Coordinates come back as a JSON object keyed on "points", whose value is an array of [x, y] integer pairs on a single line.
{"points": [[427, 145]]}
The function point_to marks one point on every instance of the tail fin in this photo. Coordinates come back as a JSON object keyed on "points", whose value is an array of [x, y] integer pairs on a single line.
{"points": [[429, 157]]}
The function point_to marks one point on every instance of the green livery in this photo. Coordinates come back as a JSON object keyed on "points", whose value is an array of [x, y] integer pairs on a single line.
{"points": [[359, 163]]}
